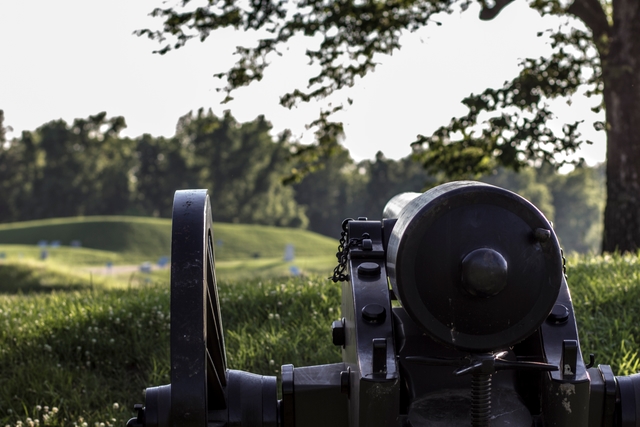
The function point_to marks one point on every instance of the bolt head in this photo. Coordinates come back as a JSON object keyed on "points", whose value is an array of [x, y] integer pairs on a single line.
{"points": [[374, 313], [338, 333]]}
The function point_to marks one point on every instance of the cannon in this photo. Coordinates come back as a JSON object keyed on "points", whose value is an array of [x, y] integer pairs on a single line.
{"points": [[455, 312]]}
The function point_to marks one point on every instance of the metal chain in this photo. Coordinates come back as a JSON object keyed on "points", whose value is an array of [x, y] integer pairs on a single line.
{"points": [[343, 251]]}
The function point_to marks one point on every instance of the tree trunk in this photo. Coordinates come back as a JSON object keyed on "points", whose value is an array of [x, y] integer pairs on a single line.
{"points": [[621, 73]]}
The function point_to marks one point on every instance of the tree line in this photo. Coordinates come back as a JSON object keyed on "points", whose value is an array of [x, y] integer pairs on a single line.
{"points": [[88, 168]]}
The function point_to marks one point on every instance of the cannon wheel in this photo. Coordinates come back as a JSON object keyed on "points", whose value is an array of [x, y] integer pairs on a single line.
{"points": [[198, 358]]}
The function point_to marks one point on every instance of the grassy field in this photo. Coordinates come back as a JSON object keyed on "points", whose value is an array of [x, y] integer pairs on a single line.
{"points": [[135, 239], [242, 251], [91, 351], [79, 342], [78, 349], [606, 296]]}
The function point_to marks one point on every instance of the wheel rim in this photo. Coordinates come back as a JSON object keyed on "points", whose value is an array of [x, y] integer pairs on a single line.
{"points": [[198, 358]]}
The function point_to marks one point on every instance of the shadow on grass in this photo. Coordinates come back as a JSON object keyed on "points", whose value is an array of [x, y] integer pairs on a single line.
{"points": [[18, 279]]}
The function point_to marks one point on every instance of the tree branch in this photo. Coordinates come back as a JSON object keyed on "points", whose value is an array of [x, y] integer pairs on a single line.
{"points": [[593, 15], [488, 13]]}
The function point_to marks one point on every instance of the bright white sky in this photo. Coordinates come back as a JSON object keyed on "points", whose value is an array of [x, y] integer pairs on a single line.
{"points": [[74, 58]]}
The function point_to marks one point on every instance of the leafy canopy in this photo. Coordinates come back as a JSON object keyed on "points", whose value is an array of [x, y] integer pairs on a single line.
{"points": [[506, 126]]}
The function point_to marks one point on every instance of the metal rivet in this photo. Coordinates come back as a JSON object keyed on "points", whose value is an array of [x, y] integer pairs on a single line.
{"points": [[374, 313], [542, 235], [369, 269], [559, 314]]}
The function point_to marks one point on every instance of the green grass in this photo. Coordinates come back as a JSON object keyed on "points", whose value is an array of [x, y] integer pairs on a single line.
{"points": [[30, 276], [64, 255], [84, 351], [139, 239], [606, 298], [274, 267], [88, 346], [80, 352], [27, 273]]}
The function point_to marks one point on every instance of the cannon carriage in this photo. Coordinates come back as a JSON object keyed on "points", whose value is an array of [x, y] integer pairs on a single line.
{"points": [[455, 312]]}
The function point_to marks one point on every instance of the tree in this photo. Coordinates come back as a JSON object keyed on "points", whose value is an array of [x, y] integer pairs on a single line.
{"points": [[60, 170], [3, 130], [332, 193], [242, 166], [86, 168], [343, 189], [598, 48], [578, 199], [387, 178], [10, 179], [161, 169]]}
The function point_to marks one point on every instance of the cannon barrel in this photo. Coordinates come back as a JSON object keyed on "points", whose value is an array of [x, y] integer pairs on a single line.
{"points": [[395, 205], [483, 332], [477, 266]]}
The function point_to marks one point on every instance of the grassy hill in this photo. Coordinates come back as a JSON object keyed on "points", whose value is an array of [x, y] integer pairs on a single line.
{"points": [[137, 239]]}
